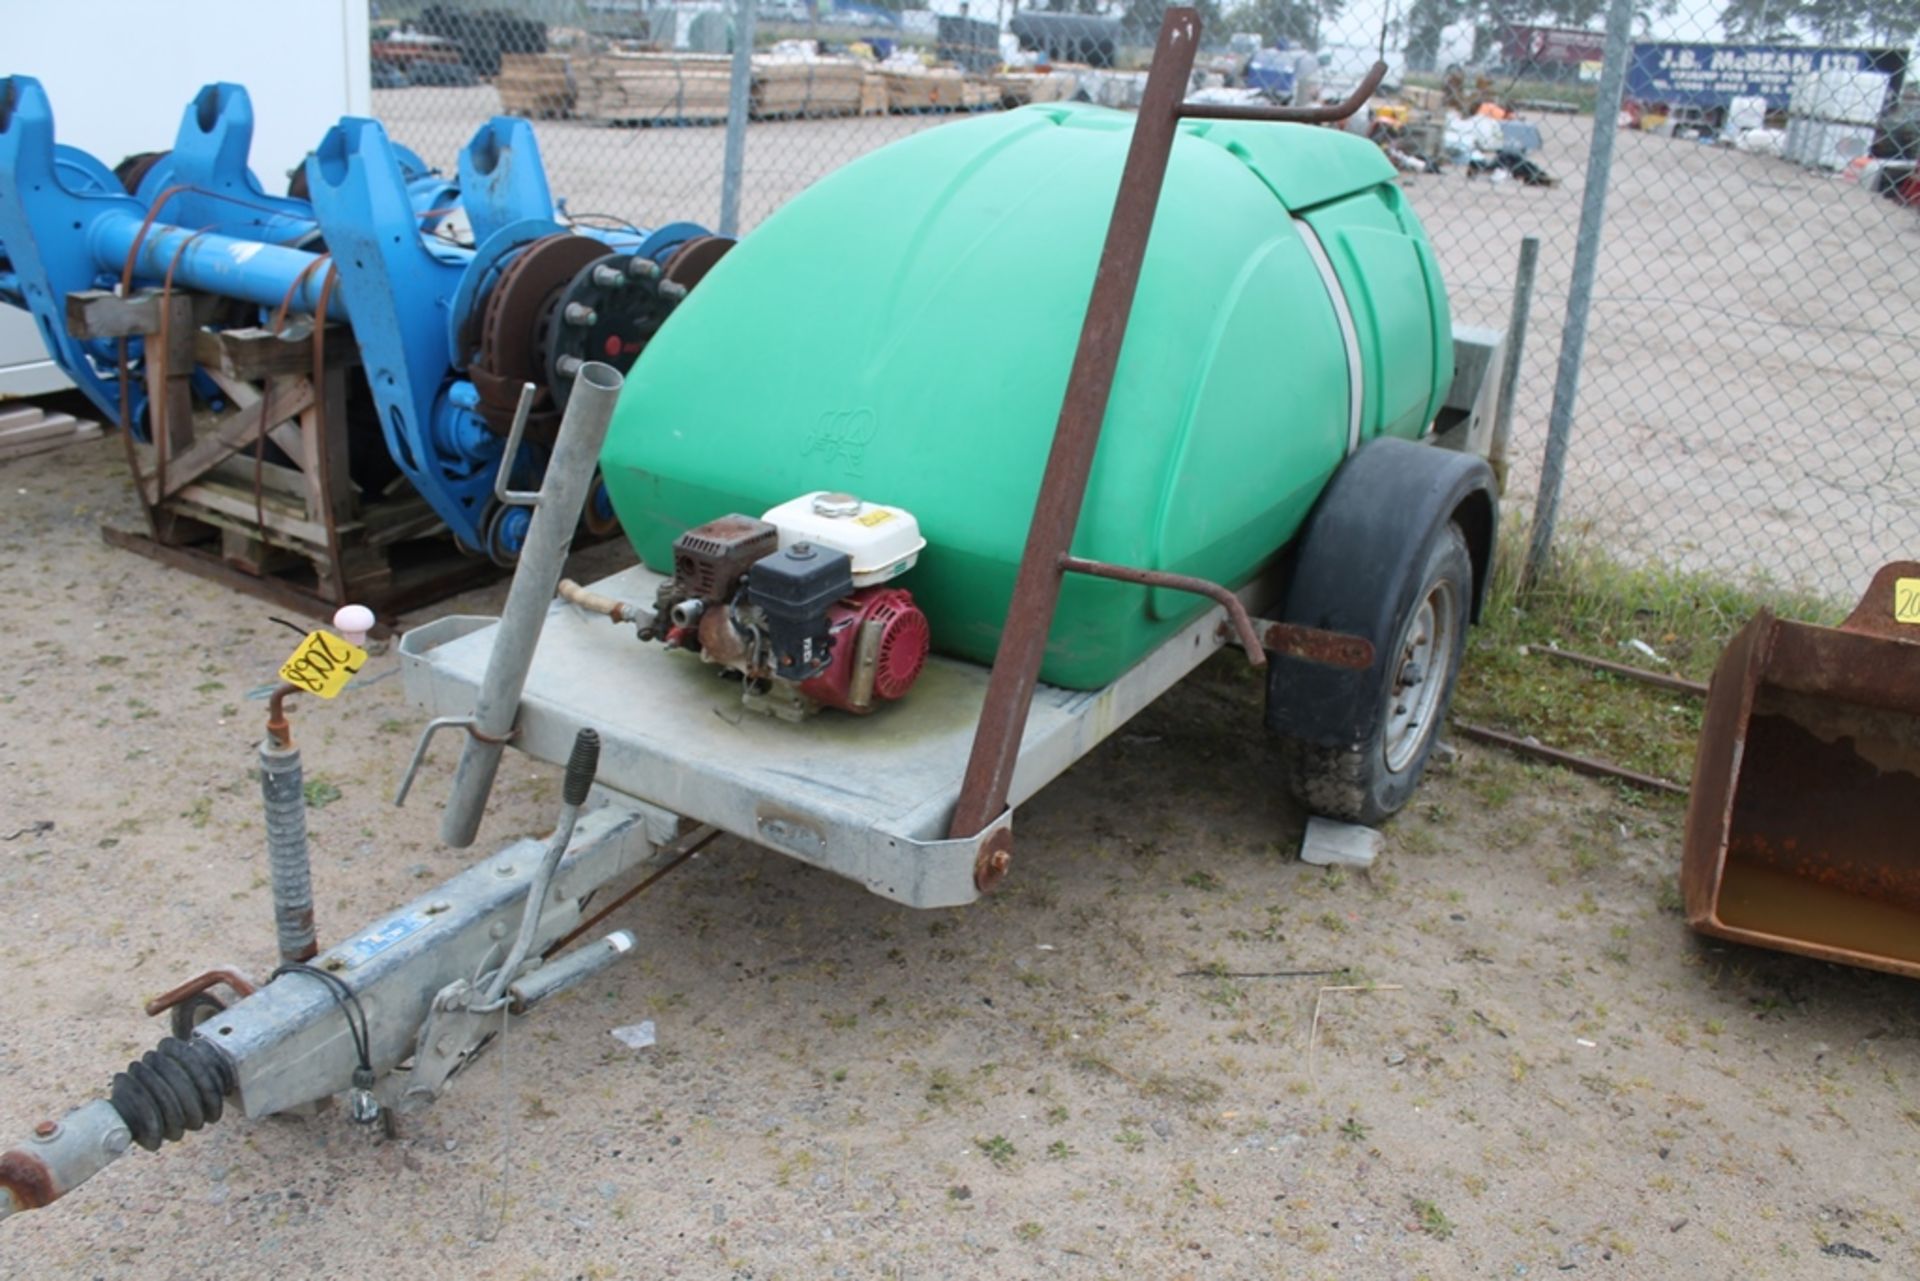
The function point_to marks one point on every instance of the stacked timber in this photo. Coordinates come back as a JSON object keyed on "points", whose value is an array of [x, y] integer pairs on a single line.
{"points": [[534, 85], [979, 93], [27, 429], [1018, 88], [630, 88], [786, 85], [923, 88]]}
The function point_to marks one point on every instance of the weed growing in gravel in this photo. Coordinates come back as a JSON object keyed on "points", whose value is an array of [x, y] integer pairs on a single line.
{"points": [[997, 1149], [1433, 1220], [319, 793]]}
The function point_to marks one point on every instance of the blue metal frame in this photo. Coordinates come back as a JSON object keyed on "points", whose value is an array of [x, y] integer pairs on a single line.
{"points": [[44, 221], [399, 284], [407, 293]]}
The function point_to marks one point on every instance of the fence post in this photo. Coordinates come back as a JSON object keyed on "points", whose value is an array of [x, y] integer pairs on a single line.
{"points": [[739, 103], [1517, 316], [1586, 258]]}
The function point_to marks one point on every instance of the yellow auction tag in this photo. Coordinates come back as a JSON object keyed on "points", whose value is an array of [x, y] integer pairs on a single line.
{"points": [[323, 664], [1906, 600]]}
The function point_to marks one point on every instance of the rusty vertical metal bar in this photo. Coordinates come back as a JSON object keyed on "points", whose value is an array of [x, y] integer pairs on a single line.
{"points": [[1063, 486]]}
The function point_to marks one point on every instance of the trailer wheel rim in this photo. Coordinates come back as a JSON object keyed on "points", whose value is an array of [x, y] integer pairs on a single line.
{"points": [[1419, 683]]}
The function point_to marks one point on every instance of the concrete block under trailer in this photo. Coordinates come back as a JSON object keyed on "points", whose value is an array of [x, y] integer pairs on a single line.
{"points": [[1360, 622]]}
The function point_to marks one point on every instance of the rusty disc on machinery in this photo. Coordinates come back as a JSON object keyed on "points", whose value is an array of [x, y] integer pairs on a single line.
{"points": [[133, 170], [694, 259], [509, 346]]}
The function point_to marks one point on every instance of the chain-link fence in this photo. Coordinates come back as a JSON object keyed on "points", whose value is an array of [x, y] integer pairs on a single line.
{"points": [[1746, 387]]}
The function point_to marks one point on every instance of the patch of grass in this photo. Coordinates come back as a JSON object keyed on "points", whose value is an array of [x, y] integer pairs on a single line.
{"points": [[1193, 1091], [1059, 1150], [997, 1149], [944, 1089], [1131, 1140], [1592, 604], [1433, 1220], [319, 793], [1353, 1130], [1029, 1231], [1202, 880]]}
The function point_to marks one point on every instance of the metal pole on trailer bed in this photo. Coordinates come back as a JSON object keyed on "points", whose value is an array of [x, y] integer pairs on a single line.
{"points": [[1063, 486], [1076, 436], [556, 511]]}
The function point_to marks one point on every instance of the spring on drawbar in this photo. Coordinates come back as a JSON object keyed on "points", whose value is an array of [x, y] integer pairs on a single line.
{"points": [[175, 1087]]}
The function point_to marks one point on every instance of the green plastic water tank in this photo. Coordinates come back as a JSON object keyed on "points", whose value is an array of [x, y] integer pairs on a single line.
{"points": [[903, 330]]}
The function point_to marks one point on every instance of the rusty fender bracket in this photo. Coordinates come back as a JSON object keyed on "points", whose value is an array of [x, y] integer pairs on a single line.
{"points": [[1256, 636], [1801, 834]]}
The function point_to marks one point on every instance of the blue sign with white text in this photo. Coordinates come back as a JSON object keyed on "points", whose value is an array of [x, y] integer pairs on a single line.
{"points": [[1712, 75]]}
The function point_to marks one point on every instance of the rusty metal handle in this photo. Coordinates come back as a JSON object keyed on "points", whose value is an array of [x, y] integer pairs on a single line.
{"points": [[1242, 624], [1299, 115]]}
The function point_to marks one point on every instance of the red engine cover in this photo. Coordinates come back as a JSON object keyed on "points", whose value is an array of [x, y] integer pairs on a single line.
{"points": [[899, 653]]}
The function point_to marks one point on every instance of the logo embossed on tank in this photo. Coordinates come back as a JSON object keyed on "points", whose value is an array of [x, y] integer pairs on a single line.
{"points": [[842, 436]]}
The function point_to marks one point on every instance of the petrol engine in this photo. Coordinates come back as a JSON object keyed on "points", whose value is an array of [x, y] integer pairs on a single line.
{"points": [[800, 604]]}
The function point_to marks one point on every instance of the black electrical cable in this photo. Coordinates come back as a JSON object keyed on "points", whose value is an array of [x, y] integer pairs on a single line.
{"points": [[349, 1004], [287, 622]]}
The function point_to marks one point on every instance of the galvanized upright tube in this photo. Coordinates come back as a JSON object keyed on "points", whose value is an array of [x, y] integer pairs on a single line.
{"points": [[576, 451], [739, 104], [1586, 259]]}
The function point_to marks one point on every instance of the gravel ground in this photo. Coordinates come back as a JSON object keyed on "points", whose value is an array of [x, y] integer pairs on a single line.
{"points": [[1523, 1066]]}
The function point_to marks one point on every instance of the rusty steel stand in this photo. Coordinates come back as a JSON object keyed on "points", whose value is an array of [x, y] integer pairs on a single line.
{"points": [[1063, 486]]}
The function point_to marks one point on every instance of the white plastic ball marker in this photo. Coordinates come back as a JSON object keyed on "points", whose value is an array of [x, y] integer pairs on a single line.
{"points": [[353, 622]]}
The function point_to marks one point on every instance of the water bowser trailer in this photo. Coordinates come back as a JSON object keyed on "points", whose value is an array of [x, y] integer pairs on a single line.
{"points": [[949, 468]]}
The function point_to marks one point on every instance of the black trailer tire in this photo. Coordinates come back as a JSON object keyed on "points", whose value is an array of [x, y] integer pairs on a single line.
{"points": [[1370, 781]]}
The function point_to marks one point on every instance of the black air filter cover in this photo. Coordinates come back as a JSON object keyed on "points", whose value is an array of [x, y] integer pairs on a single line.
{"points": [[793, 588]]}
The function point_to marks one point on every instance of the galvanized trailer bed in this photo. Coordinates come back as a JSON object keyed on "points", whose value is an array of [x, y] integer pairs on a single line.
{"points": [[868, 797]]}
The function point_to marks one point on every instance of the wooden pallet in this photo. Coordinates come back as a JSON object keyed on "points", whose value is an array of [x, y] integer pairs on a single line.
{"points": [[286, 523]]}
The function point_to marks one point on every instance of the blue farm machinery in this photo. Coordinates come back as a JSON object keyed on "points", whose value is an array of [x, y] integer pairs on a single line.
{"points": [[316, 387]]}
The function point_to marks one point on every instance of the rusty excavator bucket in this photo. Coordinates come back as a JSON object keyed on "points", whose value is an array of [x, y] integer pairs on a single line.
{"points": [[1803, 832]]}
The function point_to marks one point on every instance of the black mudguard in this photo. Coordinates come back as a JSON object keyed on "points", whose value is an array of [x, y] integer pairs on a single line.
{"points": [[1354, 567]]}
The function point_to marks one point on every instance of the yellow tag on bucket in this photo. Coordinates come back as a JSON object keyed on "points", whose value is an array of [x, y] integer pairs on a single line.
{"points": [[323, 664], [1906, 600], [877, 516]]}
